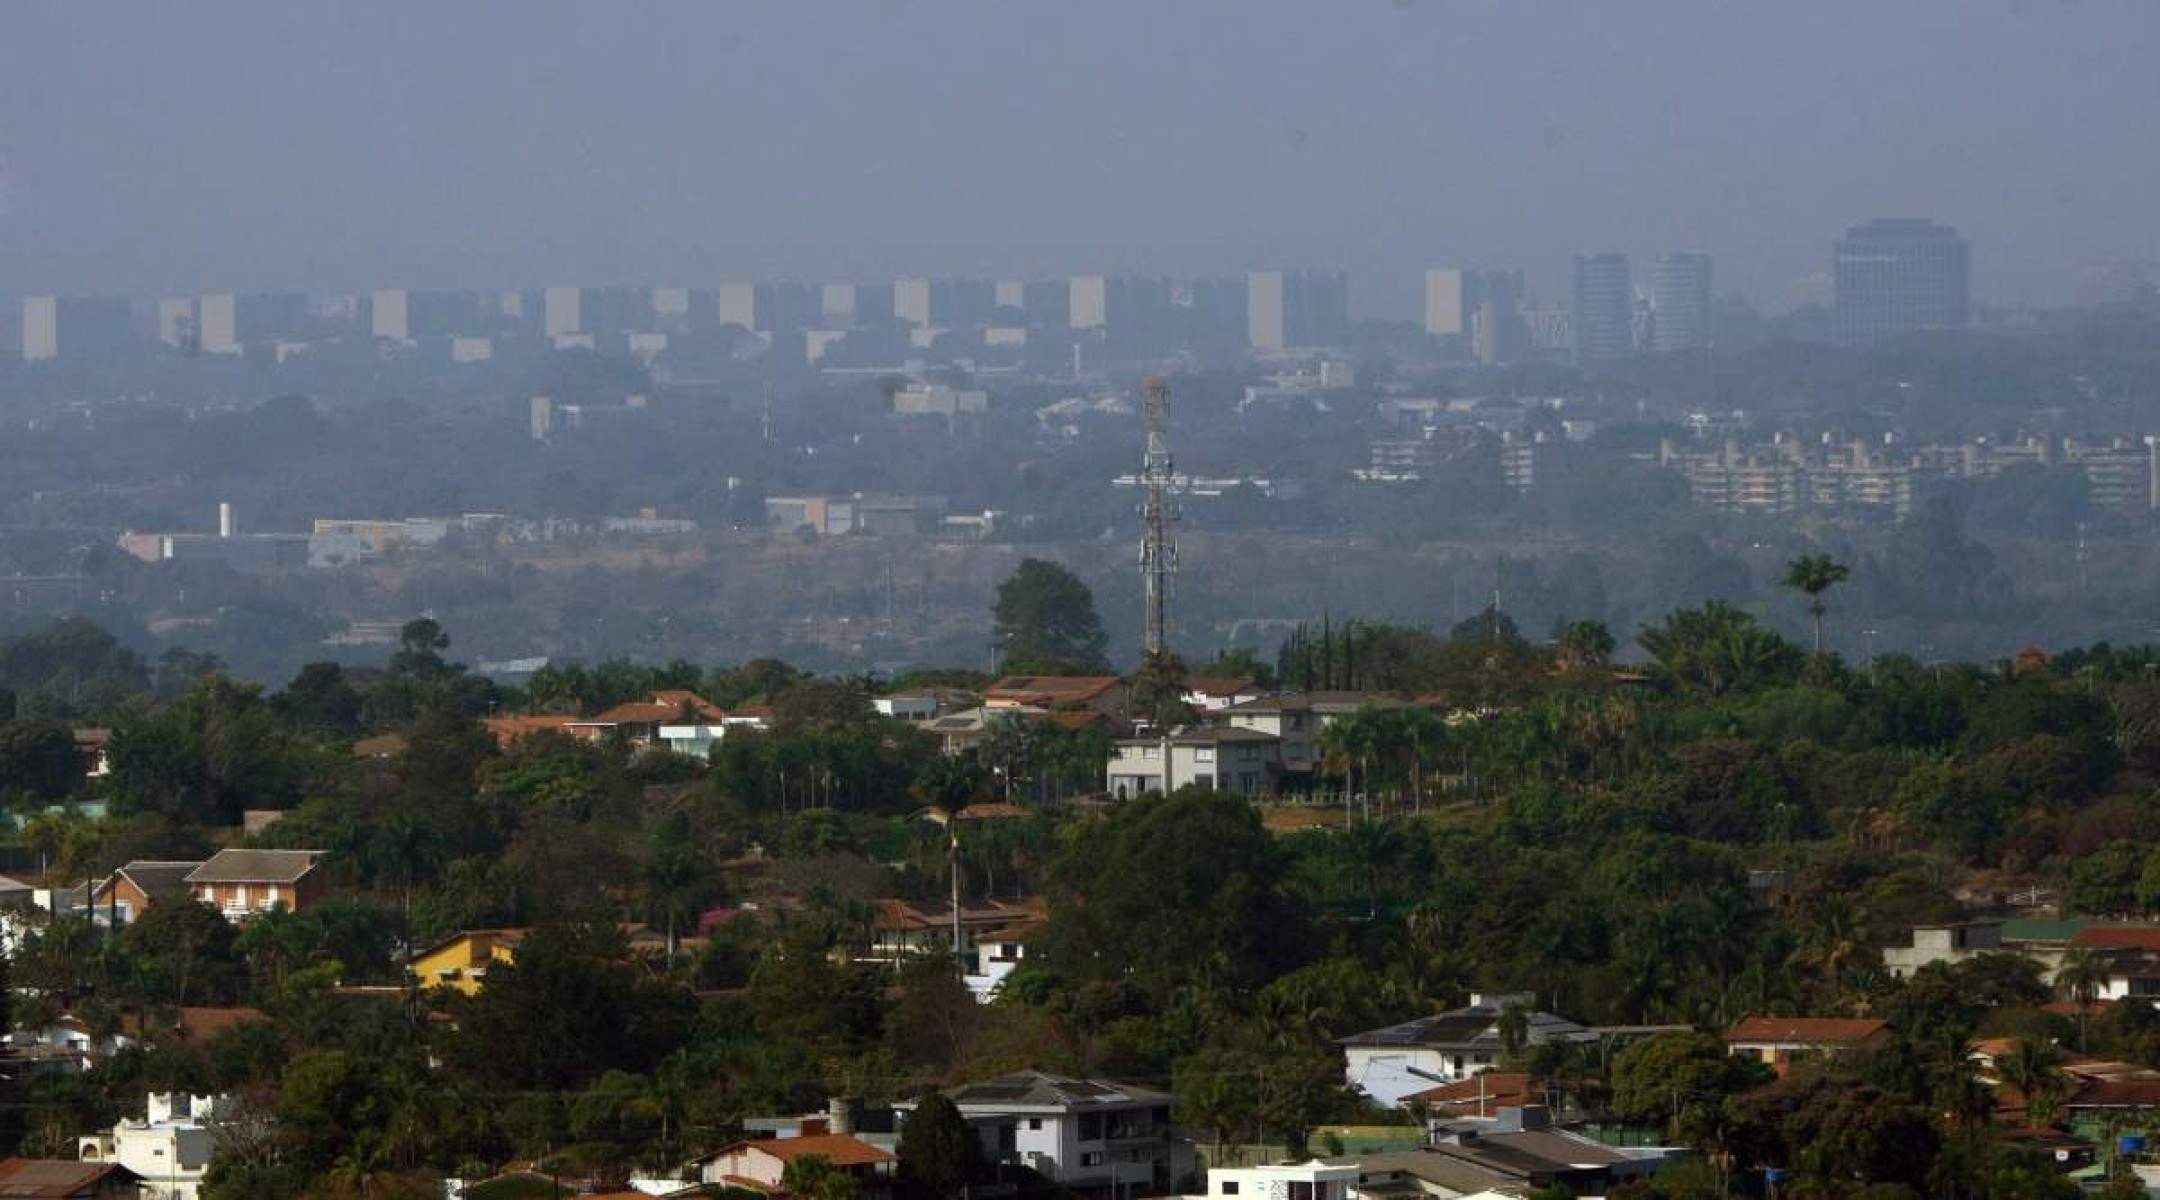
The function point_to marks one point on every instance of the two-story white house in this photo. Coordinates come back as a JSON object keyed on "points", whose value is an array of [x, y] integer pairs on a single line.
{"points": [[1223, 757], [170, 1147], [1088, 1135], [1296, 719], [1401, 1060]]}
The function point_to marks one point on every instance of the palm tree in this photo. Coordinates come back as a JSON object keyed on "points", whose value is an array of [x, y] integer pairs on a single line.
{"points": [[2034, 1068], [1812, 575], [1585, 644], [2083, 973]]}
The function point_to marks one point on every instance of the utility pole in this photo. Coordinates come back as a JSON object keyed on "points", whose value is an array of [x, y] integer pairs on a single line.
{"points": [[1158, 558]]}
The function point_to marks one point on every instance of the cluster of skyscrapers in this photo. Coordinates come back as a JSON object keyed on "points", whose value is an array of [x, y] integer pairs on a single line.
{"points": [[1263, 312], [1892, 277]]}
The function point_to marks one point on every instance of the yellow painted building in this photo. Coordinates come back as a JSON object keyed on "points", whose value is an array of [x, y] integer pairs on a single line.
{"points": [[461, 961]]}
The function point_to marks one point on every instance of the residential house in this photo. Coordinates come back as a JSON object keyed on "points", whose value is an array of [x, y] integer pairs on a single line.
{"points": [[1524, 1146], [761, 1163], [998, 953], [246, 883], [2043, 941], [1779, 1042], [639, 721], [697, 739], [94, 743], [1086, 1135], [901, 930], [1313, 1180], [1104, 694], [123, 895], [460, 962], [62, 1179], [919, 705], [1212, 693], [66, 1043], [1298, 718], [1482, 1095], [1400, 1060], [1224, 757], [2132, 956], [168, 1149], [509, 731], [874, 1124]]}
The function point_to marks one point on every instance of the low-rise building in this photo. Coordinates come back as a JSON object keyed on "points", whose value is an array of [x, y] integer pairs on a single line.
{"points": [[1083, 1134], [122, 896], [1397, 1061], [1313, 1180], [1297, 719], [1779, 1042], [461, 961], [63, 1179], [761, 1164], [1223, 757], [243, 884], [169, 1149]]}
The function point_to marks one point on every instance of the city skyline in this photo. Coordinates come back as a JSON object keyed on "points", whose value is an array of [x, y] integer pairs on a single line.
{"points": [[528, 145]]}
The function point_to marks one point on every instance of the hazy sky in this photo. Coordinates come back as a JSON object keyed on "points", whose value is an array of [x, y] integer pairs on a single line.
{"points": [[163, 146]]}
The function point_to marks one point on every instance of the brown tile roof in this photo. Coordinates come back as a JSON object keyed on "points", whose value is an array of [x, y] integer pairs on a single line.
{"points": [[1819, 1031], [1219, 685], [839, 1149], [990, 811], [508, 730], [665, 706], [2116, 1093], [1491, 1089], [2118, 937], [54, 1179], [157, 880], [1051, 690], [256, 866]]}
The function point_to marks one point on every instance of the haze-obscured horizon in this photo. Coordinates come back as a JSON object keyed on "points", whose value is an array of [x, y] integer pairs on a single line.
{"points": [[171, 147]]}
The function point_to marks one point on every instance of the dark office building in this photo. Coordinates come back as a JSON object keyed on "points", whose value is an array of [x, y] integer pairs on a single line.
{"points": [[1898, 276], [1604, 313]]}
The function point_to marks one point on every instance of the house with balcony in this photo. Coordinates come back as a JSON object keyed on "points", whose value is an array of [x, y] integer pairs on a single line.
{"points": [[243, 884], [1089, 1136], [1223, 757], [1297, 718], [169, 1148]]}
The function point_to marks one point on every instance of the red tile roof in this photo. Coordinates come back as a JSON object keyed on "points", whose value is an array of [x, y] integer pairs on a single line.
{"points": [[1219, 685], [2116, 1093], [836, 1148], [1051, 689], [1816, 1031], [54, 1179], [2118, 937]]}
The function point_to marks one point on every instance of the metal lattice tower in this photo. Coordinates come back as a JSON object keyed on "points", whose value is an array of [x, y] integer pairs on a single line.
{"points": [[1158, 557]]}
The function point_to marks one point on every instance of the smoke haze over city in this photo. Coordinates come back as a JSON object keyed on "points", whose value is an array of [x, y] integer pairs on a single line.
{"points": [[350, 146]]}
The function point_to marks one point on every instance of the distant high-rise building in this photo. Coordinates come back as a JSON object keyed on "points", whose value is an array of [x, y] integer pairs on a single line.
{"points": [[217, 323], [176, 320], [911, 300], [1680, 299], [777, 308], [76, 326], [1604, 311], [390, 313], [1901, 275], [1483, 307], [561, 307], [1088, 301], [1011, 293], [837, 302], [1286, 309]]}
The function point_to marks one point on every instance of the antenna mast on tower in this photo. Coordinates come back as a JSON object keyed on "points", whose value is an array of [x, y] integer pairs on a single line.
{"points": [[1158, 558]]}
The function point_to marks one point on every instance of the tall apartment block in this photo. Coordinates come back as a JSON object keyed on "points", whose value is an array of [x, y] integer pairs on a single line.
{"points": [[1291, 309], [1898, 276], [1680, 301], [1604, 312]]}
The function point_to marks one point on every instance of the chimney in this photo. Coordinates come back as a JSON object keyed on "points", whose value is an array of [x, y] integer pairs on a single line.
{"points": [[224, 519]]}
